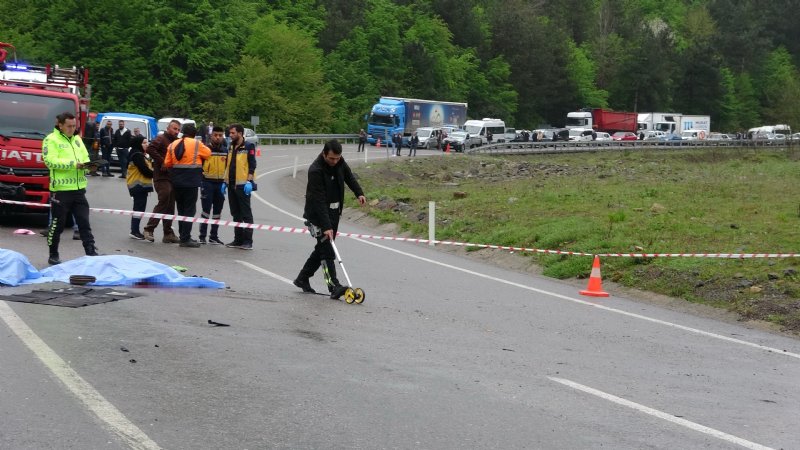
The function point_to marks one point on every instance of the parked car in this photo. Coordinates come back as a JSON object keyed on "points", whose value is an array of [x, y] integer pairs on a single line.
{"points": [[250, 137], [147, 127], [795, 136], [624, 136], [580, 134], [427, 140], [719, 138], [460, 140], [671, 139], [603, 136], [164, 122], [653, 135], [511, 135]]}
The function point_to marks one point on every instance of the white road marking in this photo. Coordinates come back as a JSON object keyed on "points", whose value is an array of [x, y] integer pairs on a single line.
{"points": [[662, 415], [266, 272], [108, 414], [552, 294]]}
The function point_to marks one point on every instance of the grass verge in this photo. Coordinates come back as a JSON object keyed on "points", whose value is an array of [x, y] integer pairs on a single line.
{"points": [[717, 200]]}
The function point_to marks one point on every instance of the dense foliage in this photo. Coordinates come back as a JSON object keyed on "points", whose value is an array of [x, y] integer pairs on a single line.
{"points": [[319, 65]]}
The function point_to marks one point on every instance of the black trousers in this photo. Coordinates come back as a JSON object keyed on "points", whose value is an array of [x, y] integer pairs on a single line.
{"points": [[241, 212], [63, 203], [212, 201], [323, 251], [122, 154], [186, 202], [139, 204], [361, 146], [106, 150]]}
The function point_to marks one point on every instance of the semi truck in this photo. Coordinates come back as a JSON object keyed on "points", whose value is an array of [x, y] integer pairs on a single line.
{"points": [[599, 119], [673, 123], [392, 115], [30, 99]]}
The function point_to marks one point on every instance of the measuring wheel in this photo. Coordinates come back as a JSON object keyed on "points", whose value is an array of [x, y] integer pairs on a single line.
{"points": [[349, 296], [359, 295]]}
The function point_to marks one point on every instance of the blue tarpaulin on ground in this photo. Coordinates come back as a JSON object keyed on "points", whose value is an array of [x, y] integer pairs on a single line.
{"points": [[15, 268], [111, 270]]}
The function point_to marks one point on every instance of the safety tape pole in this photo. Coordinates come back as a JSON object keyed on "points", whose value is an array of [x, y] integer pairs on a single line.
{"points": [[283, 229]]}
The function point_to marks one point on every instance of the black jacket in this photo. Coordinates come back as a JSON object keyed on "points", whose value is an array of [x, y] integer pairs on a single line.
{"points": [[122, 138], [326, 186]]}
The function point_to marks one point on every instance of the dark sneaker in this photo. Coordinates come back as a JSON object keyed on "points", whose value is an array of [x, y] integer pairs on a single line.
{"points": [[148, 236], [338, 291], [136, 235], [91, 251], [107, 174], [171, 239], [233, 244], [191, 243], [246, 246], [215, 241], [54, 259], [304, 285], [202, 240]]}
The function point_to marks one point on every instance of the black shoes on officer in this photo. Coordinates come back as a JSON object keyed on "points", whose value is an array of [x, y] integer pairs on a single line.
{"points": [[303, 283], [338, 291], [53, 259]]}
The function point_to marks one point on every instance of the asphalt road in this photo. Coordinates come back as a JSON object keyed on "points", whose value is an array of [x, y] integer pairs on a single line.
{"points": [[446, 352]]}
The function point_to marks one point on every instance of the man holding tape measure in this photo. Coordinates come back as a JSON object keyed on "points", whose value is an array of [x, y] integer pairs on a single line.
{"points": [[327, 176]]}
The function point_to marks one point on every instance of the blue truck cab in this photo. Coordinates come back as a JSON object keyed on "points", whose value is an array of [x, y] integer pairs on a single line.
{"points": [[393, 115], [387, 118]]}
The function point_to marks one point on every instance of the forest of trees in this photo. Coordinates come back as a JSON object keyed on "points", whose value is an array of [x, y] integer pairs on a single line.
{"points": [[319, 65]]}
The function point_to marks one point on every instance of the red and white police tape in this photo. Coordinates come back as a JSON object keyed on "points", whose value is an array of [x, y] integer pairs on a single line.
{"points": [[255, 226]]}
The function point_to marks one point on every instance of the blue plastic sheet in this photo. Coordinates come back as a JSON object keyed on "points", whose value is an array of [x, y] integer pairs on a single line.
{"points": [[111, 270], [15, 268]]}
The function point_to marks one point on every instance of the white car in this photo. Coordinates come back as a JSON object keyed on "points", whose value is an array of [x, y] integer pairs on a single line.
{"points": [[603, 136]]}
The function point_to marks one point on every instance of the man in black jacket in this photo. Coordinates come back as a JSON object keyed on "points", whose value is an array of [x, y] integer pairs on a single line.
{"points": [[122, 141], [106, 136], [324, 204]]}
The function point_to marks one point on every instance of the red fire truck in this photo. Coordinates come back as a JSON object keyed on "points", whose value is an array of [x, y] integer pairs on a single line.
{"points": [[30, 99]]}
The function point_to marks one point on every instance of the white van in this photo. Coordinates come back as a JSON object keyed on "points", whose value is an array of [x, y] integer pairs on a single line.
{"points": [[691, 135], [164, 122], [480, 128]]}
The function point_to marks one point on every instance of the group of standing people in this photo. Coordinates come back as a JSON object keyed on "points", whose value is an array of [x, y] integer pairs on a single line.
{"points": [[181, 166], [175, 168]]}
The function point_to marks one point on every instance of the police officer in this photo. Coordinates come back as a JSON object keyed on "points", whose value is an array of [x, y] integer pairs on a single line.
{"points": [[327, 176], [68, 160]]}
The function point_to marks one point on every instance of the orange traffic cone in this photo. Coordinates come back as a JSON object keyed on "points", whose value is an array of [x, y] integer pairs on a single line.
{"points": [[379, 143], [258, 151], [595, 288], [447, 148]]}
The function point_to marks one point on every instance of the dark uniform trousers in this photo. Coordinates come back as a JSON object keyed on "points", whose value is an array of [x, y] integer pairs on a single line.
{"points": [[241, 212], [63, 203], [323, 252]]}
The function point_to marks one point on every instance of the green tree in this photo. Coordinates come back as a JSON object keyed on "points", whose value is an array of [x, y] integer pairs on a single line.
{"points": [[779, 88], [280, 79], [583, 72]]}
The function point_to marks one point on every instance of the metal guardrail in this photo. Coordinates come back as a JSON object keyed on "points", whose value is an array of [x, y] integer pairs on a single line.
{"points": [[544, 146], [302, 139], [524, 148]]}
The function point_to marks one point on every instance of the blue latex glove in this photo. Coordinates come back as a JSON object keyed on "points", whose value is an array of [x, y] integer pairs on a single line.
{"points": [[248, 188], [224, 188]]}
